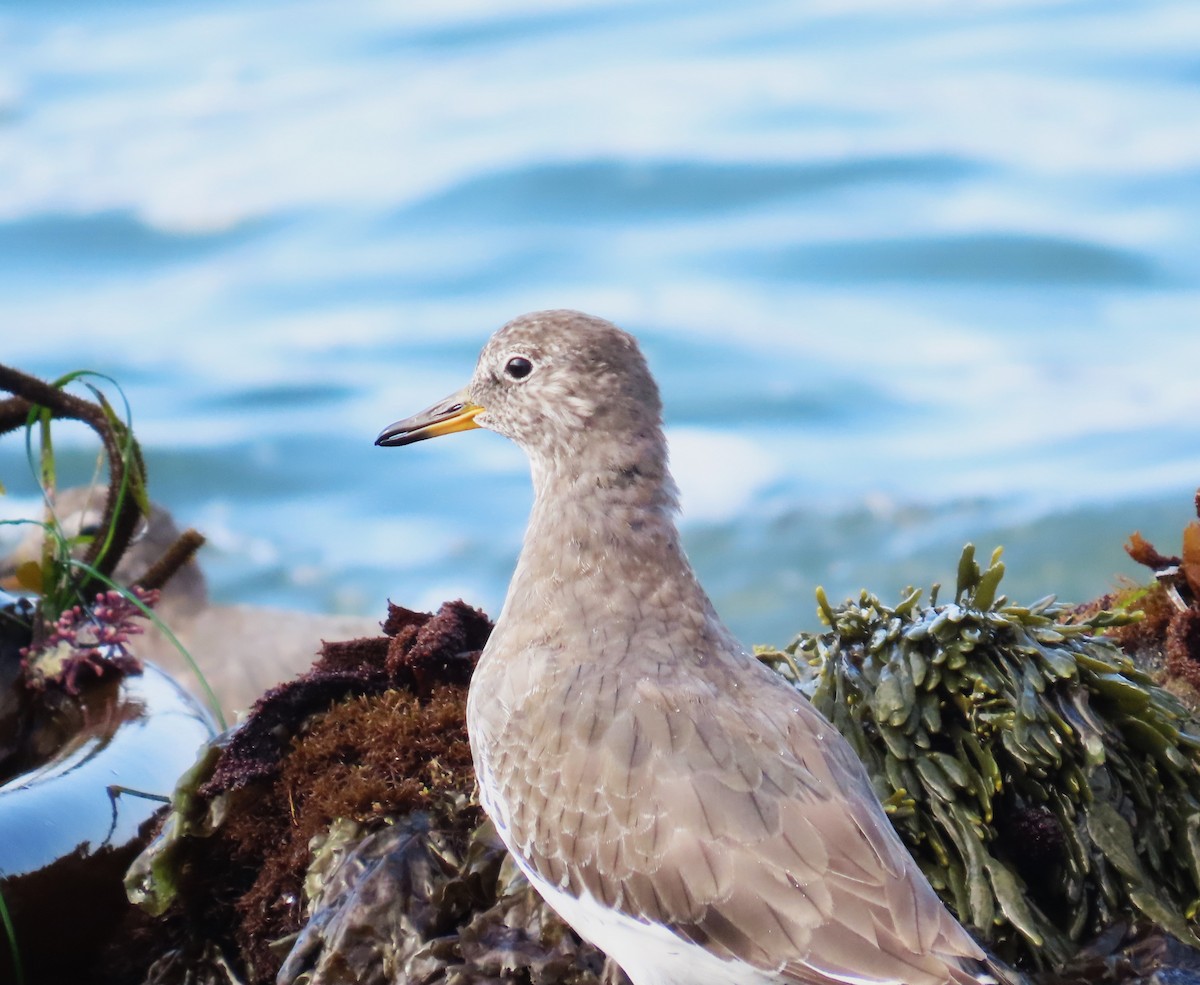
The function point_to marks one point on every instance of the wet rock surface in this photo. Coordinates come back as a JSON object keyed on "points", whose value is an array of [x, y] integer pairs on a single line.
{"points": [[83, 770]]}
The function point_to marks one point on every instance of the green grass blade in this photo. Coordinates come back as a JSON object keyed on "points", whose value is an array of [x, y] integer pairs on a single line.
{"points": [[13, 949]]}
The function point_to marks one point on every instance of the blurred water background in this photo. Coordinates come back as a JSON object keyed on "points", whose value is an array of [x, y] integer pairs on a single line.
{"points": [[909, 274]]}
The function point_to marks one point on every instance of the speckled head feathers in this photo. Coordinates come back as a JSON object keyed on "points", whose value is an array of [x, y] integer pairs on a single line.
{"points": [[548, 377], [573, 391]]}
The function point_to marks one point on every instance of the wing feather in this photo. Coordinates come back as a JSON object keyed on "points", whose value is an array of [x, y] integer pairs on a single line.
{"points": [[744, 824]]}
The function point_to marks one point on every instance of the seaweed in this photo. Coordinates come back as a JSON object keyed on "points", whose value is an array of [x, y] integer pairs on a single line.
{"points": [[414, 902], [373, 734], [1045, 784], [87, 644], [1168, 639]]}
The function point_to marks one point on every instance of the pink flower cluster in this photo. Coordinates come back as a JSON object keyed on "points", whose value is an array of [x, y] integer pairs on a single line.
{"points": [[88, 642]]}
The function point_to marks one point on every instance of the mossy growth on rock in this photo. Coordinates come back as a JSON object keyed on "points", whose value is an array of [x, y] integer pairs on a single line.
{"points": [[373, 732], [1045, 784]]}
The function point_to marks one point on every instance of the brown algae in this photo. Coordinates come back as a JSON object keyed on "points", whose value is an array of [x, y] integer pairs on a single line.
{"points": [[1046, 785]]}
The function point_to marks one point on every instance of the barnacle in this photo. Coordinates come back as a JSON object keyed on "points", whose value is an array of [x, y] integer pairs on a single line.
{"points": [[1044, 783]]}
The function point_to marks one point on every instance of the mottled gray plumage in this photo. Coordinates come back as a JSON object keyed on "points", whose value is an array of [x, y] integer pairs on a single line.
{"points": [[683, 806]]}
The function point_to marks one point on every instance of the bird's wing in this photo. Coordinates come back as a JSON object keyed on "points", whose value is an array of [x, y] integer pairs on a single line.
{"points": [[744, 823]]}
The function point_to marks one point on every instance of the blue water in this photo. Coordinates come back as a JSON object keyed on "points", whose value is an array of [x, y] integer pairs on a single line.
{"points": [[909, 275]]}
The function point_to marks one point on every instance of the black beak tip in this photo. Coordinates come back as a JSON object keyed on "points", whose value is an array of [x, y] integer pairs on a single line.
{"points": [[390, 437]]}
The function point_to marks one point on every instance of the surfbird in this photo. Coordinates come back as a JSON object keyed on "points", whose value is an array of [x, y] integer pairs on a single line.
{"points": [[683, 807]]}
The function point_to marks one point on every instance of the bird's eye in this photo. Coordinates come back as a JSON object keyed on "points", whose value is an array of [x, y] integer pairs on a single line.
{"points": [[518, 367], [89, 530]]}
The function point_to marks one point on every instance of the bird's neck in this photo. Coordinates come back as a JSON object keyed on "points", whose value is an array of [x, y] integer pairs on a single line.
{"points": [[606, 513], [598, 532]]}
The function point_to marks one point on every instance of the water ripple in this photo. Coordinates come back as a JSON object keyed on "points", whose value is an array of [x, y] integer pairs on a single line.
{"points": [[985, 259], [613, 191]]}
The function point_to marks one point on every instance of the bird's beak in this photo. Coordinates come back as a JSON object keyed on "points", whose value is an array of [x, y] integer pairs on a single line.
{"points": [[455, 413], [19, 569], [8, 577]]}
